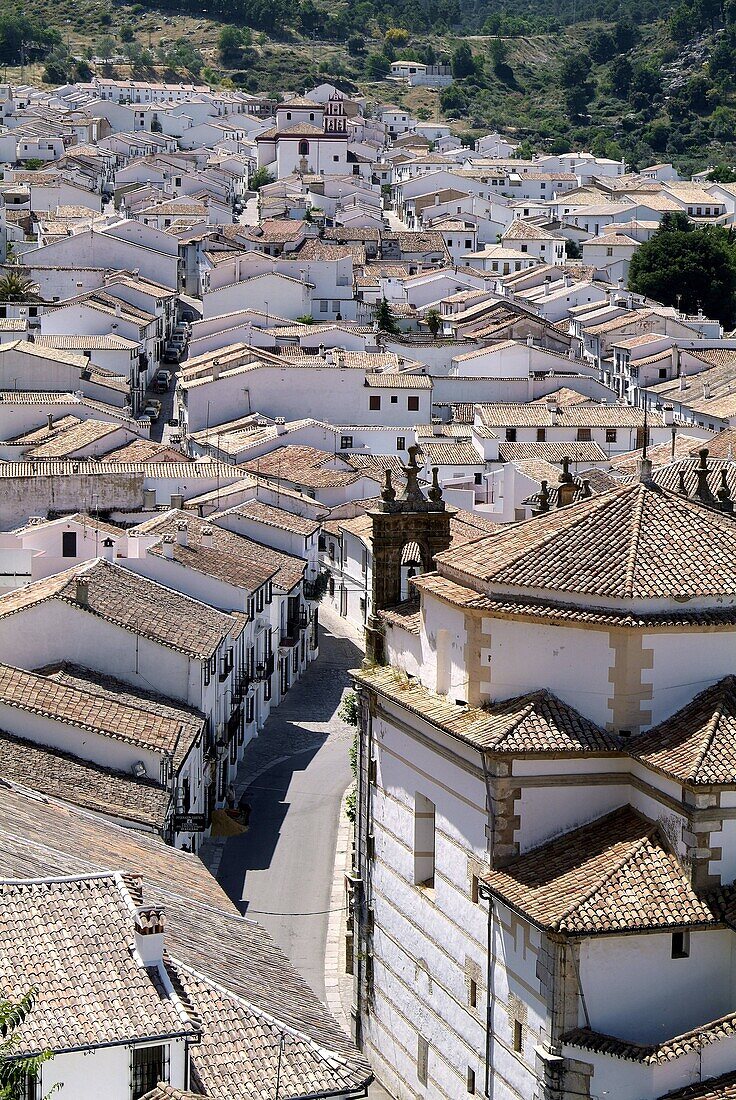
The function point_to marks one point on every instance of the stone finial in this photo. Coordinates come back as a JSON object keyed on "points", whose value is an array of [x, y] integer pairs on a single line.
{"points": [[724, 493], [411, 470], [544, 498], [435, 493], [566, 477], [702, 489], [587, 491], [388, 493], [682, 490]]}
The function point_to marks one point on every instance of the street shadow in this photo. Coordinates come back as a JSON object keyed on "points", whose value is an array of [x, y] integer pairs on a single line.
{"points": [[314, 698], [254, 850]]}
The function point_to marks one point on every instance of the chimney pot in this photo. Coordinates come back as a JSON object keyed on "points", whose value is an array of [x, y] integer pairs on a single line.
{"points": [[182, 533], [168, 544], [207, 540], [149, 926], [81, 594]]}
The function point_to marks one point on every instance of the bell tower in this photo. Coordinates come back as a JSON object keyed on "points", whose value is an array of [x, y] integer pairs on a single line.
{"points": [[407, 532]]}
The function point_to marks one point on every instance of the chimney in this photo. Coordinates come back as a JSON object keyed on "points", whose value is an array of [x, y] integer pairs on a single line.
{"points": [[207, 540], [280, 424], [724, 493], [530, 341], [215, 369], [81, 594], [644, 471], [182, 533], [566, 488], [109, 548], [669, 416], [322, 351], [168, 544], [149, 500], [177, 502], [551, 406], [50, 421], [150, 921]]}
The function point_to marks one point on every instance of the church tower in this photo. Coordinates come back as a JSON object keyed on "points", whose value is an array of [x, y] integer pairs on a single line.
{"points": [[407, 534], [335, 120]]}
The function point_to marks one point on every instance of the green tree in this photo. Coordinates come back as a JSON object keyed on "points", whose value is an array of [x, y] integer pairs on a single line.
{"points": [[385, 318], [230, 46], [696, 267], [498, 52], [377, 66], [680, 24], [356, 45], [259, 179], [126, 33], [722, 174], [17, 287], [434, 320], [463, 63], [15, 1071]]}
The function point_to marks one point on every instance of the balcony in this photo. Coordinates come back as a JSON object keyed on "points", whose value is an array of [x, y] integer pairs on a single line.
{"points": [[290, 633]]}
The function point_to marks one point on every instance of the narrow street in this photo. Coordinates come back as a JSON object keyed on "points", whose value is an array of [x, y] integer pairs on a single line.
{"points": [[301, 768], [296, 773]]}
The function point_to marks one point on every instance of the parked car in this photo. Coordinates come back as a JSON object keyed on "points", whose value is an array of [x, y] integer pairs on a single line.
{"points": [[161, 381], [188, 315], [178, 340], [182, 329], [171, 354], [152, 409]]}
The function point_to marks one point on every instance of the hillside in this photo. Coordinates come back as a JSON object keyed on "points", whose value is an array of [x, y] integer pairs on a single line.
{"points": [[648, 91]]}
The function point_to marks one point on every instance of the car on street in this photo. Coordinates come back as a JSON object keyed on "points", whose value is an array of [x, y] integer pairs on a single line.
{"points": [[152, 409], [171, 354], [161, 381]]}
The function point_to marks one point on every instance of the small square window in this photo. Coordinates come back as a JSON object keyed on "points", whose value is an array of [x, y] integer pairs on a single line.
{"points": [[346, 442], [541, 435], [374, 403], [394, 399], [400, 443], [611, 435], [511, 435], [478, 478], [412, 404]]}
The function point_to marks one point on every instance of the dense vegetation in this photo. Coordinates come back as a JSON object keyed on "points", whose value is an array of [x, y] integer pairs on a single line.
{"points": [[648, 82], [688, 267]]}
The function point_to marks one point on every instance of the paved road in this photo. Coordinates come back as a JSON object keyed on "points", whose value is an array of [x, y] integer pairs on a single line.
{"points": [[284, 864]]}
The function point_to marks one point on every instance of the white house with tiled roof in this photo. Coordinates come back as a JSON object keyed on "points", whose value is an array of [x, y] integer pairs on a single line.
{"points": [[546, 851]]}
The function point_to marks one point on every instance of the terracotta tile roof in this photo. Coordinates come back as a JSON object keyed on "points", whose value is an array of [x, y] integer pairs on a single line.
{"points": [[636, 542], [534, 723], [654, 1055], [204, 930], [62, 775], [134, 603], [272, 516], [223, 560], [535, 414], [615, 875], [697, 745], [86, 707], [542, 610], [67, 441], [450, 454], [242, 1048], [301, 465], [71, 941], [407, 616]]}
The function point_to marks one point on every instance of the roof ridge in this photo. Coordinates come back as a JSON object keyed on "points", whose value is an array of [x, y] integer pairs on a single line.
{"points": [[610, 874], [711, 728], [635, 534]]}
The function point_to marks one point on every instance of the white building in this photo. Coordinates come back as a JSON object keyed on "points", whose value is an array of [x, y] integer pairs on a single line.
{"points": [[546, 852]]}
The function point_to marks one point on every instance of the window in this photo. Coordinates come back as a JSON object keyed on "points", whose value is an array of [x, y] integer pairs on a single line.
{"points": [[518, 1036], [28, 1088], [584, 435], [68, 544], [525, 248], [346, 442], [422, 1059], [259, 600], [394, 399], [374, 402], [473, 993], [611, 435], [663, 372], [335, 158], [468, 244], [150, 1065], [471, 1081], [478, 478], [681, 945], [609, 252], [400, 442], [541, 435], [412, 404], [511, 435], [424, 814], [323, 306], [332, 586]]}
